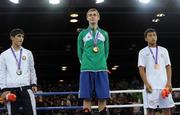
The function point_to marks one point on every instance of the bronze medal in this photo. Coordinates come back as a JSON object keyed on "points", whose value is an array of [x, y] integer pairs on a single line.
{"points": [[157, 66]]}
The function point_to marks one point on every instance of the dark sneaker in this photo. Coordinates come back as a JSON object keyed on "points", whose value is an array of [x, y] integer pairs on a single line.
{"points": [[86, 111], [104, 112]]}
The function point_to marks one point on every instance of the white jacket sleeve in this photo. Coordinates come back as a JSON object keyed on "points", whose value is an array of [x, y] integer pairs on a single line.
{"points": [[2, 72], [33, 77]]}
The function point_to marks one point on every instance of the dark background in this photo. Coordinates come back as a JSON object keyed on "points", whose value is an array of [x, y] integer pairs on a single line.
{"points": [[52, 38]]}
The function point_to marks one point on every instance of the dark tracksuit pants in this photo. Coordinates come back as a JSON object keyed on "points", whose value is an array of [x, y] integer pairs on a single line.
{"points": [[25, 101]]}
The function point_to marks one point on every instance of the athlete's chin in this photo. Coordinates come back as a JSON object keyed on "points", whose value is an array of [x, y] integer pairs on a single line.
{"points": [[19, 44], [153, 44], [93, 22]]}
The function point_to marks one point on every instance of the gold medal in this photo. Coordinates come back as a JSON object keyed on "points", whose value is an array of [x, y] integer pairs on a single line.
{"points": [[157, 66], [95, 49]]}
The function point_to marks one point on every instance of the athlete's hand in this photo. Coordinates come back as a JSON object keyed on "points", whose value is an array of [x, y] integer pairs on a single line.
{"points": [[165, 92], [34, 89], [1, 100], [3, 95], [148, 88], [169, 86]]}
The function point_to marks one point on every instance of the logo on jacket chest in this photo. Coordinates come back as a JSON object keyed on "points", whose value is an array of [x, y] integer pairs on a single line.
{"points": [[24, 57]]}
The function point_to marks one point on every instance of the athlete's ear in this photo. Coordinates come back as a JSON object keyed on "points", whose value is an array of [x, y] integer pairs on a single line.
{"points": [[145, 39], [87, 18], [98, 17], [11, 37]]}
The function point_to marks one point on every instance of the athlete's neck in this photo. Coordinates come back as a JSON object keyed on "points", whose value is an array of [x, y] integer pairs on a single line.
{"points": [[93, 27], [152, 45], [15, 47]]}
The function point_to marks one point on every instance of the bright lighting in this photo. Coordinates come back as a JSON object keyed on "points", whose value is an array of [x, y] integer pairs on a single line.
{"points": [[144, 1], [160, 15], [155, 20], [99, 1], [113, 68], [14, 1], [64, 67], [74, 15], [116, 66], [73, 20], [61, 80], [54, 1]]}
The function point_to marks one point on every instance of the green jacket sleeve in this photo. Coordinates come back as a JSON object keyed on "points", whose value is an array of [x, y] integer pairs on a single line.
{"points": [[80, 46], [106, 45]]}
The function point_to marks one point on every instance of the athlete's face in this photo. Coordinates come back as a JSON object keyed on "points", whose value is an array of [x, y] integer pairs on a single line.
{"points": [[93, 17], [17, 40], [151, 38]]}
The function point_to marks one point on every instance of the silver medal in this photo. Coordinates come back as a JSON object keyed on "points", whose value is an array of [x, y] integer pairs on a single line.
{"points": [[18, 72]]}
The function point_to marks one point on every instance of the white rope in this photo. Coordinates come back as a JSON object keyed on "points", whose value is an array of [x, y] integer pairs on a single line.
{"points": [[136, 91], [127, 91], [126, 106], [120, 106], [177, 103], [176, 89]]}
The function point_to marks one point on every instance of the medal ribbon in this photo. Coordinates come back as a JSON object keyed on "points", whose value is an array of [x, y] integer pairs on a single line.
{"points": [[95, 38], [155, 58], [18, 61]]}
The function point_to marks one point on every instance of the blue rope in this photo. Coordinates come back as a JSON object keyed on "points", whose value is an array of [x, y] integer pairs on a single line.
{"points": [[60, 108], [55, 93], [55, 108]]}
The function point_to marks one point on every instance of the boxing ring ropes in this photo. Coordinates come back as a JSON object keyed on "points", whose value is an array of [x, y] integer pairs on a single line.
{"points": [[93, 107]]}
